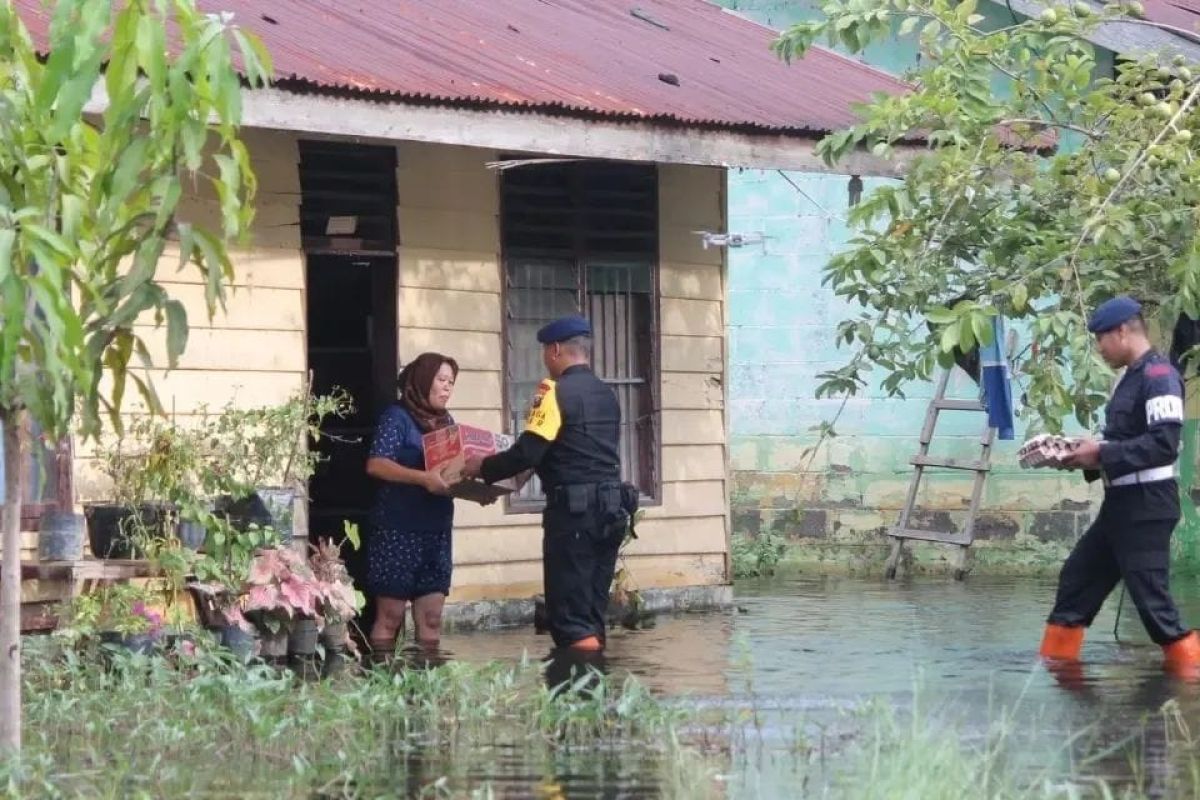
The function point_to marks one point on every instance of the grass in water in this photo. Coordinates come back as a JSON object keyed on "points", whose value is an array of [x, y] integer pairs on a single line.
{"points": [[133, 726], [141, 726]]}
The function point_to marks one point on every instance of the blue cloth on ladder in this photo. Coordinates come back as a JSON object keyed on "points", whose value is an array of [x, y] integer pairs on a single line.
{"points": [[997, 382]]}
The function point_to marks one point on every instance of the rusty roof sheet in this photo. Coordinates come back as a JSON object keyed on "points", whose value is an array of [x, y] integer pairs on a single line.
{"points": [[1183, 14], [684, 62]]}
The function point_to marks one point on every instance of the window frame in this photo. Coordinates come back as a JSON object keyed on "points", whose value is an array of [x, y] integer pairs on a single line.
{"points": [[583, 257]]}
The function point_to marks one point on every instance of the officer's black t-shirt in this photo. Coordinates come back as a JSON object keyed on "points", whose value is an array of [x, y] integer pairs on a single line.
{"points": [[1143, 428], [572, 434]]}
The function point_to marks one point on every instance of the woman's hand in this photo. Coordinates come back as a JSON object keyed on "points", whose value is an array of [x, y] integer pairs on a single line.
{"points": [[436, 484]]}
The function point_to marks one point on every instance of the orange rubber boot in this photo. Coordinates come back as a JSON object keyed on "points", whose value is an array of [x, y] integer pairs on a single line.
{"points": [[1061, 642], [588, 644], [1182, 656]]}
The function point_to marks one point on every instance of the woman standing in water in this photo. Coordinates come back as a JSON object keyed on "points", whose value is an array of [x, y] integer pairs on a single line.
{"points": [[408, 552]]}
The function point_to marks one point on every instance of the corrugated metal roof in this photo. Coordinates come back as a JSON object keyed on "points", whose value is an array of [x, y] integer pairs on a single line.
{"points": [[673, 61], [1183, 14]]}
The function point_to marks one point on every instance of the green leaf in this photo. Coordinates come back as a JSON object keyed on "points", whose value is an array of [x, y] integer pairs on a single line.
{"points": [[1020, 297], [949, 338], [177, 331], [8, 238]]}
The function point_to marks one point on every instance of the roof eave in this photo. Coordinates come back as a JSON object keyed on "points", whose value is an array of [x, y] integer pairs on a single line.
{"points": [[526, 130]]}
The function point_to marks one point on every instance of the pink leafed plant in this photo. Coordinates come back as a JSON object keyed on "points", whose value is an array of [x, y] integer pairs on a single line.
{"points": [[282, 587]]}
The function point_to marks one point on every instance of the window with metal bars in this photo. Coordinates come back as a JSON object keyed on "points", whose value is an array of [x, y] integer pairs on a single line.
{"points": [[582, 237]]}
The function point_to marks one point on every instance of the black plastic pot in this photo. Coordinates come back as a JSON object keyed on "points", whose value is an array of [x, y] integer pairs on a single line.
{"points": [[112, 529], [133, 642], [303, 637], [190, 534], [244, 512], [241, 642]]}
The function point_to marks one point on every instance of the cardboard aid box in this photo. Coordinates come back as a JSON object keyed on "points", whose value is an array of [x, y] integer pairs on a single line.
{"points": [[447, 449], [1046, 451]]}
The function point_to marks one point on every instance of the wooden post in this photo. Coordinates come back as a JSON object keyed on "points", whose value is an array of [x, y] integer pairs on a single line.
{"points": [[10, 583]]}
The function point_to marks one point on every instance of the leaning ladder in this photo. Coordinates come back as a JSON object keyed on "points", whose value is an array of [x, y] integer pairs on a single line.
{"points": [[922, 461]]}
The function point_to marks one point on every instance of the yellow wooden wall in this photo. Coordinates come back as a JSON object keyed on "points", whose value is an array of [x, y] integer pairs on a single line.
{"points": [[450, 300], [253, 353]]}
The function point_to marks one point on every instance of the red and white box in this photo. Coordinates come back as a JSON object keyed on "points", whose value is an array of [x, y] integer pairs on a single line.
{"points": [[1047, 450], [447, 450]]}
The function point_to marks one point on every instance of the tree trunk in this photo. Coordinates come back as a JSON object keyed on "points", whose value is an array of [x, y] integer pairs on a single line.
{"points": [[10, 584]]}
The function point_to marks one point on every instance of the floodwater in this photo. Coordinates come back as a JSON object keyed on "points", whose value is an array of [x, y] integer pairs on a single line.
{"points": [[799, 656]]}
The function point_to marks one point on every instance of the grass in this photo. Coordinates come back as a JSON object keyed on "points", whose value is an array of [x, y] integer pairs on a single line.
{"points": [[757, 556], [147, 727], [135, 726]]}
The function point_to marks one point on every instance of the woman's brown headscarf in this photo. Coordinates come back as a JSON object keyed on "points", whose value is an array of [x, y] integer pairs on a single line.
{"points": [[415, 382]]}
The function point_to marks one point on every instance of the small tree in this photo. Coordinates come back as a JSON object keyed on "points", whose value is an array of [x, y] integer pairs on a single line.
{"points": [[96, 139], [1046, 188]]}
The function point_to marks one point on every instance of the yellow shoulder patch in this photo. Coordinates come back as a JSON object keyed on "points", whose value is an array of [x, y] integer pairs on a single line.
{"points": [[545, 417]]}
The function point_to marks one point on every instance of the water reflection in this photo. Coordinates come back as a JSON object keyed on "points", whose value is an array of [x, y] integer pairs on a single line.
{"points": [[791, 670]]}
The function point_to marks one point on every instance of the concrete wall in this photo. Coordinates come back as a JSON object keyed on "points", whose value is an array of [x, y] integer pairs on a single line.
{"points": [[449, 299], [837, 504]]}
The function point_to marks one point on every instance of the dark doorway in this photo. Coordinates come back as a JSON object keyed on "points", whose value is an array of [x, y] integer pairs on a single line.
{"points": [[348, 222]]}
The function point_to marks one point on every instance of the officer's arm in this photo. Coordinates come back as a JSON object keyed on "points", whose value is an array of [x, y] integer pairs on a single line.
{"points": [[1159, 445], [526, 453], [541, 428]]}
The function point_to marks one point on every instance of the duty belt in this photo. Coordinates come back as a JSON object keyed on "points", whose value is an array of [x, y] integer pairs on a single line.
{"points": [[557, 495], [1144, 476]]}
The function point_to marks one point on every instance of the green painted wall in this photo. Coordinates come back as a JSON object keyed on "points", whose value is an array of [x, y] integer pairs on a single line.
{"points": [[837, 504]]}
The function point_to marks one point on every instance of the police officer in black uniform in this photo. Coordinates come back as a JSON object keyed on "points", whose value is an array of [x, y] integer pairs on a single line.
{"points": [[571, 440], [1130, 539]]}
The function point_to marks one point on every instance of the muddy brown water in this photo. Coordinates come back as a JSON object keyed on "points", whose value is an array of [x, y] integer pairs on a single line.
{"points": [[798, 656]]}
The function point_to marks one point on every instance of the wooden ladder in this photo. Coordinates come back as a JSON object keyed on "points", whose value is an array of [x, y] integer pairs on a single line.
{"points": [[922, 460]]}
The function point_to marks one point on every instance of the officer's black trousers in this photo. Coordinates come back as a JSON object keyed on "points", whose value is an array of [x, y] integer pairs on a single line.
{"points": [[579, 558], [1121, 545]]}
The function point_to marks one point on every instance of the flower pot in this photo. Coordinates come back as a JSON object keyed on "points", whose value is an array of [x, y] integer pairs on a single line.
{"points": [[281, 505], [244, 512], [303, 637], [333, 637], [273, 645], [112, 529], [133, 642], [190, 534], [60, 536], [240, 641]]}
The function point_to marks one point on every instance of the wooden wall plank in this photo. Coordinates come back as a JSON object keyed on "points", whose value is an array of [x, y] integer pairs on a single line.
{"points": [[691, 317], [691, 281], [246, 308], [428, 268], [692, 390], [693, 427], [692, 354], [478, 350], [687, 462], [449, 310]]}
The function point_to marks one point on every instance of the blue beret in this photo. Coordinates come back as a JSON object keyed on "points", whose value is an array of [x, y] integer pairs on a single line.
{"points": [[563, 329], [1113, 313]]}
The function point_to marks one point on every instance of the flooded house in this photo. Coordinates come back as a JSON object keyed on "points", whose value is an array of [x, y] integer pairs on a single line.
{"points": [[449, 176]]}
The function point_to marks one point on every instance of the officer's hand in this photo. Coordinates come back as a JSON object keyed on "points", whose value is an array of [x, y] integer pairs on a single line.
{"points": [[1085, 455], [472, 467]]}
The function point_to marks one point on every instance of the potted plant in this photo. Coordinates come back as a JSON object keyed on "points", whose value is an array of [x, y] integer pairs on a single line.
{"points": [[152, 467], [265, 452], [280, 592], [339, 601], [122, 615]]}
